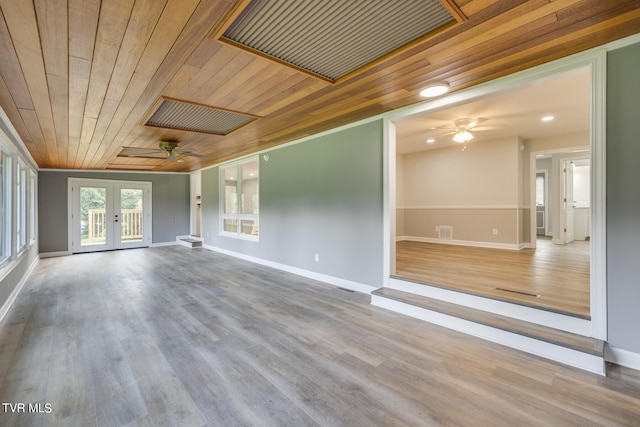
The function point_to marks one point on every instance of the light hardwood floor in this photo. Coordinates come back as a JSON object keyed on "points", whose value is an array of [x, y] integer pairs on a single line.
{"points": [[554, 277], [175, 336]]}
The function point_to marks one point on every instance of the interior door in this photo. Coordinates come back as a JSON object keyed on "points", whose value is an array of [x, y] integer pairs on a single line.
{"points": [[569, 204], [109, 215]]}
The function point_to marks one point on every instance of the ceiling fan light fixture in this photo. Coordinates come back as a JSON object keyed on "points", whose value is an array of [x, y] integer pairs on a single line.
{"points": [[435, 90], [463, 135]]}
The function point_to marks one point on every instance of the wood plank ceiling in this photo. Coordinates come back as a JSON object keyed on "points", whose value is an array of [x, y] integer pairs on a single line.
{"points": [[78, 78]]}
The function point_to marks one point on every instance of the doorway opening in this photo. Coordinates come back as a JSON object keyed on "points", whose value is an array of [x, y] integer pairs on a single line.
{"points": [[511, 236], [106, 215]]}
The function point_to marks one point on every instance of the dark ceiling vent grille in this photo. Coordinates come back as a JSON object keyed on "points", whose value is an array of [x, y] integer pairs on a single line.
{"points": [[333, 38], [192, 117]]}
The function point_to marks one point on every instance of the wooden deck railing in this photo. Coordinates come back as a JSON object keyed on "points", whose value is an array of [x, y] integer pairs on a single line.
{"points": [[130, 225]]}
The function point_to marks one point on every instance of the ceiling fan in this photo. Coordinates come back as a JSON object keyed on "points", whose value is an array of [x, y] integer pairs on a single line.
{"points": [[169, 150], [462, 128]]}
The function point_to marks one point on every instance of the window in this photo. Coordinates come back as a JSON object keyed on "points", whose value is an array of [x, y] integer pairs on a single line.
{"points": [[5, 198], [239, 193]]}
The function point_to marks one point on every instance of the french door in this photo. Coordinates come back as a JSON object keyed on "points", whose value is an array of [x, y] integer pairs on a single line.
{"points": [[109, 215]]}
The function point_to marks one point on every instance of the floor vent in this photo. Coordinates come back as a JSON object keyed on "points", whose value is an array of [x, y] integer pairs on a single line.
{"points": [[445, 232], [529, 294]]}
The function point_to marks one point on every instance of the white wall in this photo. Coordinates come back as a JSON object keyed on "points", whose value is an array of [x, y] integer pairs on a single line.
{"points": [[485, 174], [476, 191]]}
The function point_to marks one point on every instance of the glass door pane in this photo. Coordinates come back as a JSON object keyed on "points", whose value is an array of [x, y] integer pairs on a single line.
{"points": [[93, 219], [109, 214], [131, 215]]}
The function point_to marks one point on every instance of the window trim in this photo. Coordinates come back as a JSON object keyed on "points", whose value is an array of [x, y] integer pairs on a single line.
{"points": [[21, 207], [7, 193], [15, 157], [238, 216], [32, 201]]}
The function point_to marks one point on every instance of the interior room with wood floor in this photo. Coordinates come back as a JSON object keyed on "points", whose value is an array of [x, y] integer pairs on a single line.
{"points": [[494, 244], [256, 212]]}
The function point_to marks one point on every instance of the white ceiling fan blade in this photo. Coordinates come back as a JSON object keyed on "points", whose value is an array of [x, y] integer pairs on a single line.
{"points": [[476, 122], [481, 128]]}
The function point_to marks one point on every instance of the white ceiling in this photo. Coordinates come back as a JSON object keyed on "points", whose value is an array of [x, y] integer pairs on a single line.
{"points": [[510, 113]]}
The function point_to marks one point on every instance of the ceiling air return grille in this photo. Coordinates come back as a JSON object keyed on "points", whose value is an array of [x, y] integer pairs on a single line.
{"points": [[333, 38], [188, 116]]}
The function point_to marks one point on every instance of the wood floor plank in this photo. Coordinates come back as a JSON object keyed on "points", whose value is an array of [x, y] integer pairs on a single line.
{"points": [[125, 338], [323, 405], [10, 338], [554, 277], [254, 396], [166, 399], [204, 384], [27, 377], [67, 356]]}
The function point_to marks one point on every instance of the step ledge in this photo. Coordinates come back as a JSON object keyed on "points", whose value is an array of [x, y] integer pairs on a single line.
{"points": [[516, 311], [189, 241], [492, 297], [584, 358]]}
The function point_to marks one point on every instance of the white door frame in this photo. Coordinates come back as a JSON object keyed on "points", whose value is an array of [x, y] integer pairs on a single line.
{"points": [[567, 213], [113, 236], [595, 59]]}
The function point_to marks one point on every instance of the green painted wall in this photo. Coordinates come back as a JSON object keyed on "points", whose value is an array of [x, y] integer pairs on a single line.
{"points": [[169, 197], [322, 196], [623, 197]]}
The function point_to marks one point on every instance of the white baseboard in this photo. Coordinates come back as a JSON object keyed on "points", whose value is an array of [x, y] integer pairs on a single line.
{"points": [[54, 254], [336, 281], [490, 245], [173, 243], [622, 357], [16, 291], [529, 345]]}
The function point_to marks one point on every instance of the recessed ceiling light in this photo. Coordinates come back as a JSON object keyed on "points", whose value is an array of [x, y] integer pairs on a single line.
{"points": [[430, 141], [435, 90], [547, 118]]}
